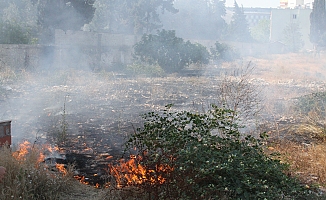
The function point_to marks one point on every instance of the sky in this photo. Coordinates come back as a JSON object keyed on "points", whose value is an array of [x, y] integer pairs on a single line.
{"points": [[254, 3]]}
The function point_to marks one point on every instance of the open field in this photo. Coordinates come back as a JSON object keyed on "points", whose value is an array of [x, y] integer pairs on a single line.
{"points": [[98, 110]]}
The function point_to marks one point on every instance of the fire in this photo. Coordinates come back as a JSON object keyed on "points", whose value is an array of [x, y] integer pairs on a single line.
{"points": [[52, 149], [41, 157], [61, 168], [24, 149], [132, 173], [81, 179]]}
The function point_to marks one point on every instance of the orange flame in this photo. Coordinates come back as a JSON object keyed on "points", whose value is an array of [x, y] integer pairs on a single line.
{"points": [[81, 179], [132, 173], [41, 158], [53, 149], [61, 168], [24, 149]]}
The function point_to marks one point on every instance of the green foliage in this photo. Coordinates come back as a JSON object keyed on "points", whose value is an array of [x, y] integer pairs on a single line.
{"points": [[239, 28], [169, 52], [318, 22], [18, 24], [131, 16], [293, 37], [311, 102], [198, 19], [261, 31], [203, 156], [223, 52], [13, 33], [64, 14]]}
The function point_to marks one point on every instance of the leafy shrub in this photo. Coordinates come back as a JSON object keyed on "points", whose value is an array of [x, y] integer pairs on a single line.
{"points": [[13, 33], [311, 102], [312, 109], [223, 52], [169, 52], [203, 156]]}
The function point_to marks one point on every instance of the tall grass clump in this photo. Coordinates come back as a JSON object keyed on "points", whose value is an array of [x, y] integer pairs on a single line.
{"points": [[28, 177], [311, 109]]}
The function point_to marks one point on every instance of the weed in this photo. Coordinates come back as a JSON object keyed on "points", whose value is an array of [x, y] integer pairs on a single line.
{"points": [[62, 133]]}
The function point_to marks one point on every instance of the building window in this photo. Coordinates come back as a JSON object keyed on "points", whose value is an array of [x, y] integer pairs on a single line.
{"points": [[294, 16]]}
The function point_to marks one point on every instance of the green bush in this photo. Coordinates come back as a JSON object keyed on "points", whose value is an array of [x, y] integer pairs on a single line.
{"points": [[169, 52], [223, 52], [203, 156], [311, 102], [14, 33]]}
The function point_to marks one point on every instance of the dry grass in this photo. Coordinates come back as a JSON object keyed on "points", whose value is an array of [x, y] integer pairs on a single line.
{"points": [[290, 66], [7, 74], [28, 178], [307, 161]]}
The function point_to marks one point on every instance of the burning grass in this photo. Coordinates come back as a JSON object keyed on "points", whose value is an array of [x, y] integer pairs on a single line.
{"points": [[132, 173], [29, 178]]}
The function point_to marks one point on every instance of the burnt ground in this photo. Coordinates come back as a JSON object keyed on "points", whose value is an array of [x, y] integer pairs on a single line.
{"points": [[99, 110]]}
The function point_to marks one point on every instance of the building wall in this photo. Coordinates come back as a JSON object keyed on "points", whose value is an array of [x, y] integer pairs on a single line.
{"points": [[20, 57], [296, 3], [92, 49], [72, 49], [309, 3], [280, 18], [255, 15]]}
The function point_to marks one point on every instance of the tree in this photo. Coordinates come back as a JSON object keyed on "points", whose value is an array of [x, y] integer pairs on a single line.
{"points": [[223, 52], [65, 14], [18, 23], [239, 29], [169, 52], [293, 37], [218, 11], [145, 14], [318, 23], [197, 19], [104, 16], [261, 31], [134, 16]]}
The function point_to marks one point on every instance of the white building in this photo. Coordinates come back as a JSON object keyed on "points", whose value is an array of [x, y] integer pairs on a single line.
{"points": [[281, 18], [309, 3], [255, 15], [296, 4]]}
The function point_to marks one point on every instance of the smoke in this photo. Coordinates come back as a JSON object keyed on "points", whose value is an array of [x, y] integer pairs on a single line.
{"points": [[60, 83]]}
